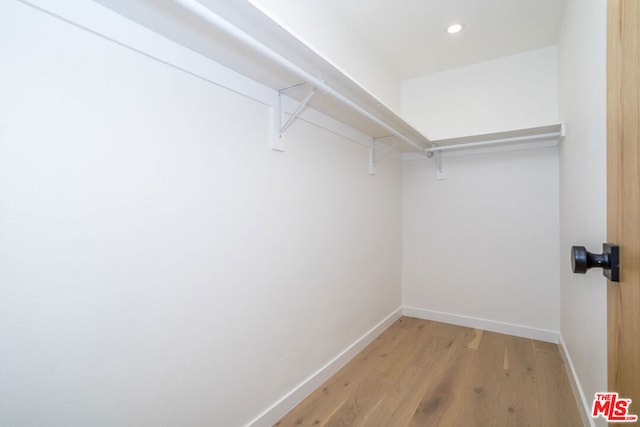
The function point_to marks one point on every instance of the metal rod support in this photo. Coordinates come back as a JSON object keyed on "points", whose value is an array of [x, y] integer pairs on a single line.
{"points": [[290, 88], [301, 107]]}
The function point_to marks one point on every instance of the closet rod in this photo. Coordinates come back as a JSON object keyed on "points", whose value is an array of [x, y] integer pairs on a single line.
{"points": [[540, 136], [208, 15]]}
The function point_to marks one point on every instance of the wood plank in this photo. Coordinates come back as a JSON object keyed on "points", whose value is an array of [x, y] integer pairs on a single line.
{"points": [[424, 373], [476, 403], [403, 400], [342, 386], [518, 393], [368, 399], [476, 339], [623, 196], [550, 374]]}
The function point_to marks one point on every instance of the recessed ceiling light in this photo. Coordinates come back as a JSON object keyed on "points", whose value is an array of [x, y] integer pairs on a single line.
{"points": [[455, 28]]}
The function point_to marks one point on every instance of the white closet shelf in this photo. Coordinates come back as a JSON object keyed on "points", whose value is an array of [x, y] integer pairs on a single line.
{"points": [[239, 36], [513, 139]]}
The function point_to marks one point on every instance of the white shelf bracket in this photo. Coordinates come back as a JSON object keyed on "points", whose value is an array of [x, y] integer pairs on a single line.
{"points": [[441, 172], [279, 128], [372, 158]]}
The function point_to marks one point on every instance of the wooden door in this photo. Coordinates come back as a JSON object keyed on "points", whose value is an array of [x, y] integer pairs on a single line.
{"points": [[623, 188]]}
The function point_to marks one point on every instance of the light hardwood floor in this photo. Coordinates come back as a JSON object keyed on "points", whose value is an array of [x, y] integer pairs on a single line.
{"points": [[424, 373]]}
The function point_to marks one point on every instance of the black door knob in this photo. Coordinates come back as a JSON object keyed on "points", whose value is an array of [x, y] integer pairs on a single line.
{"points": [[608, 260]]}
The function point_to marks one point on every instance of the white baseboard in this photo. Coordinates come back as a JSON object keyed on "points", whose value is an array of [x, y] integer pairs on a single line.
{"points": [[484, 324], [298, 394], [578, 392]]}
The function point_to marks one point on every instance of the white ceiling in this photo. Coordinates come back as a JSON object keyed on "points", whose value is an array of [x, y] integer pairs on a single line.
{"points": [[410, 35]]}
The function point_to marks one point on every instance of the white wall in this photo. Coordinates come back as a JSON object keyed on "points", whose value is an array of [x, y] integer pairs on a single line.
{"points": [[582, 78], [483, 244], [514, 92], [159, 264], [331, 38]]}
